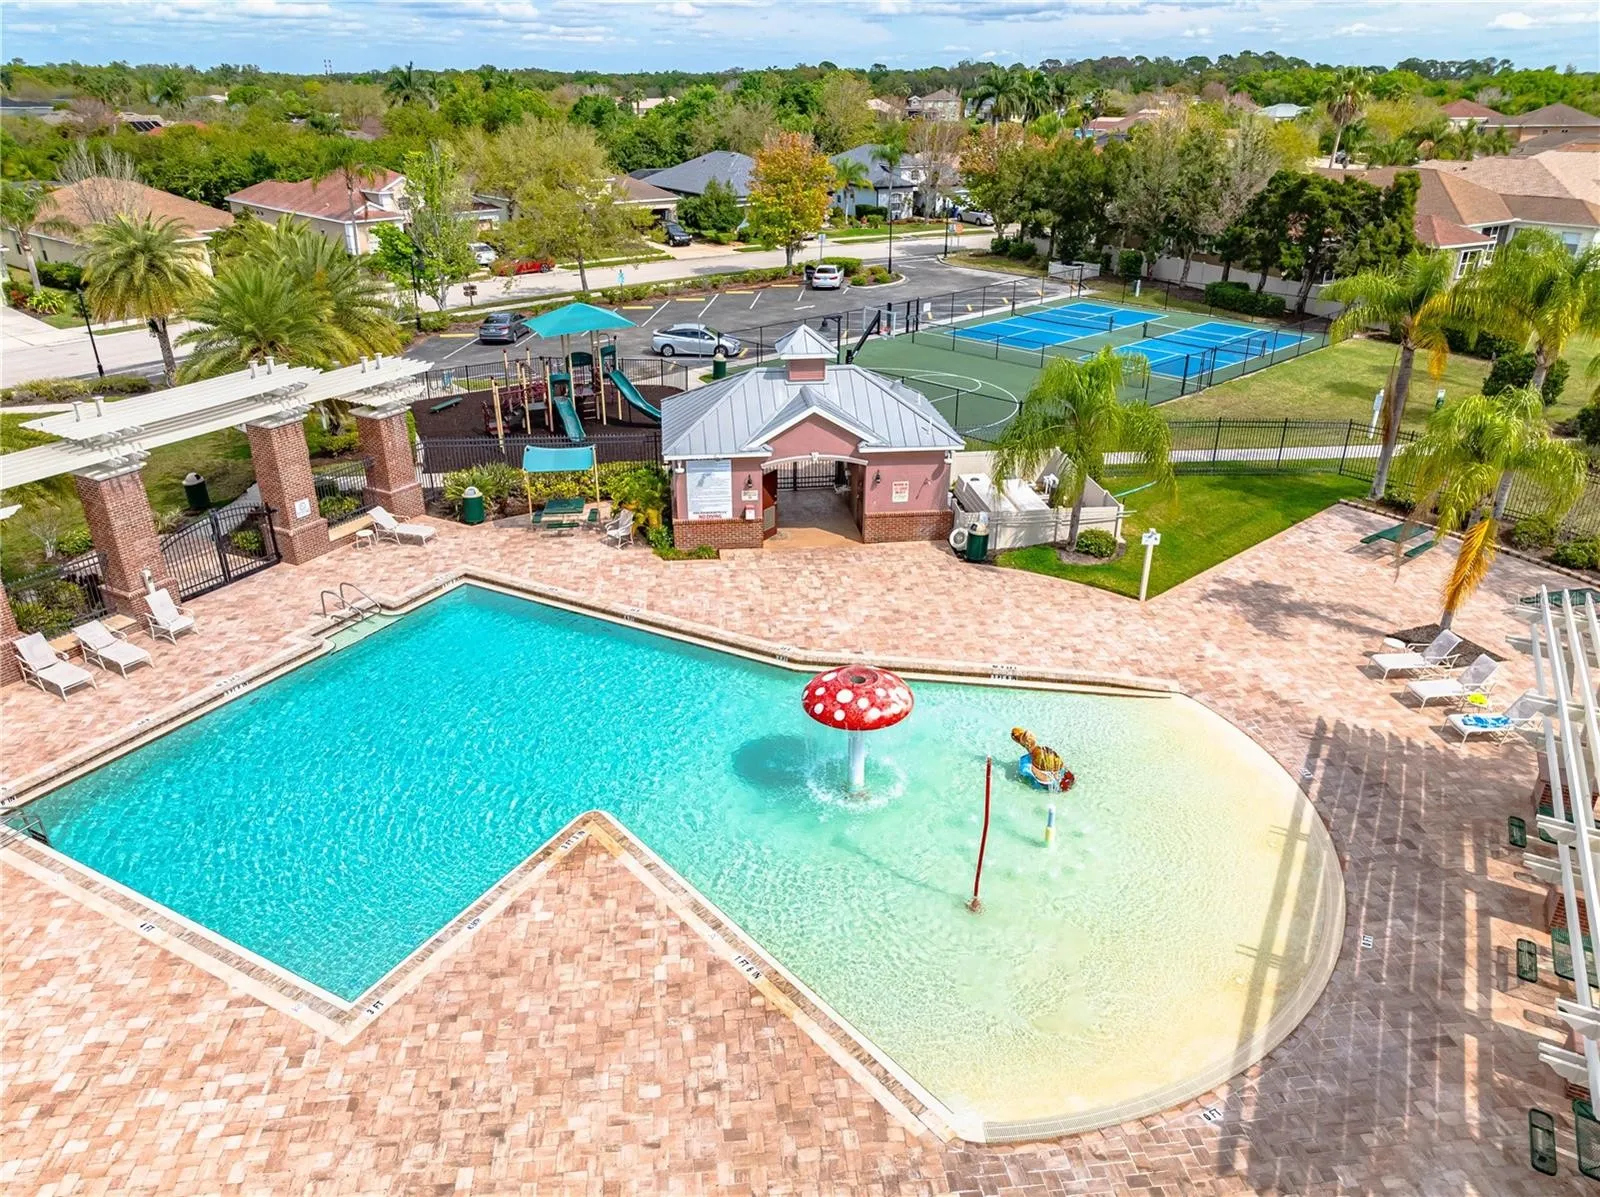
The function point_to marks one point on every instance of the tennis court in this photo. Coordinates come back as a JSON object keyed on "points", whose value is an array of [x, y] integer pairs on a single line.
{"points": [[1218, 343], [1038, 328]]}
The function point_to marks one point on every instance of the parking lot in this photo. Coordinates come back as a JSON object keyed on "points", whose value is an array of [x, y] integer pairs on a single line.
{"points": [[738, 309]]}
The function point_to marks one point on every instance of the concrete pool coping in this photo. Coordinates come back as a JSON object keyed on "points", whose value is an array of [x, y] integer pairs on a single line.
{"points": [[343, 1020]]}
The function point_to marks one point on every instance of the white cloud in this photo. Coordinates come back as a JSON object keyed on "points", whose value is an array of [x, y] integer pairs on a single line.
{"points": [[1362, 29], [1512, 20], [1199, 31]]}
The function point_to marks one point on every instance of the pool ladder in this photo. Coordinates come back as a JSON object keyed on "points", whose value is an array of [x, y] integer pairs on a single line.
{"points": [[347, 609], [23, 823]]}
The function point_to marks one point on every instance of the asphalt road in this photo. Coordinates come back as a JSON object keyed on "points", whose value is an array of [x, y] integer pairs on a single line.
{"points": [[777, 308]]}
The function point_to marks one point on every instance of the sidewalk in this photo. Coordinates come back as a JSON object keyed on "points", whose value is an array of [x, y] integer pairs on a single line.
{"points": [[31, 349]]}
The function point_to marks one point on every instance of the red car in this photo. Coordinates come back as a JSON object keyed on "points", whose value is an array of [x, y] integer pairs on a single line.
{"points": [[534, 266]]}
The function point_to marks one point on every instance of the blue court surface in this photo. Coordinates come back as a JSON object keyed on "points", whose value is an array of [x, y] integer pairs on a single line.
{"points": [[1173, 350]]}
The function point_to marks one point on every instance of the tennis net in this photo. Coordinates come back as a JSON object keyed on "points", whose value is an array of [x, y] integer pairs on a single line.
{"points": [[1251, 344], [1090, 324]]}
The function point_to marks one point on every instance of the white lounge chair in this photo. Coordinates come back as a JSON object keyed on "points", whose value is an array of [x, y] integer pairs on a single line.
{"points": [[1528, 707], [109, 650], [389, 528], [1434, 657], [46, 668], [1474, 679], [166, 618], [620, 529]]}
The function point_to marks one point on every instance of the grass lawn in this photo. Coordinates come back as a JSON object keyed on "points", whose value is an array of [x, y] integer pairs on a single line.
{"points": [[982, 260], [1211, 518], [222, 458]]}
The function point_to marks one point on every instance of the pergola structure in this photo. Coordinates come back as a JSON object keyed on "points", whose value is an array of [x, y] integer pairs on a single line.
{"points": [[1565, 643], [104, 446]]}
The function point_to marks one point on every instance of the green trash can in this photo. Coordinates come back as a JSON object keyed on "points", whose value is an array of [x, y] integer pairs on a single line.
{"points": [[978, 543], [719, 367], [195, 493], [472, 506]]}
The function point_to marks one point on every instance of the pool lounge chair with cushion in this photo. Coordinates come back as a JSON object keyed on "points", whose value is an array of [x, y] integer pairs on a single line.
{"points": [[109, 650], [45, 668], [1474, 679], [166, 618], [389, 528], [1436, 656], [1528, 707]]}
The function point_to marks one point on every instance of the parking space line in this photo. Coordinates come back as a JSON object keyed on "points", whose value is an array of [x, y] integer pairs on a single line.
{"points": [[459, 348], [707, 308], [756, 300]]}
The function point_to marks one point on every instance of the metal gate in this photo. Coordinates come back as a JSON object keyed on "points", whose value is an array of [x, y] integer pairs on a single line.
{"points": [[221, 546], [809, 475]]}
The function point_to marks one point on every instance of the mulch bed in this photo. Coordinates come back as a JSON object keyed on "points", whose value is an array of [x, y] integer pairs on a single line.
{"points": [[466, 418], [1466, 652], [1073, 557]]}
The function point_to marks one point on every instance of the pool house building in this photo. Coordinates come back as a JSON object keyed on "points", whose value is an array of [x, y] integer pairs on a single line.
{"points": [[736, 446]]}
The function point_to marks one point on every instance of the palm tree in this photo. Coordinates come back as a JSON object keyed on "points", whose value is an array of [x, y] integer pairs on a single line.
{"points": [[1001, 89], [1415, 300], [353, 161], [171, 89], [887, 153], [254, 311], [849, 174], [20, 213], [1035, 94], [143, 268], [1073, 407], [1346, 96], [1537, 291], [1458, 465], [405, 86]]}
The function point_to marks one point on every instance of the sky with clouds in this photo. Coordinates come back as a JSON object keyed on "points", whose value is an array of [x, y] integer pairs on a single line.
{"points": [[297, 35]]}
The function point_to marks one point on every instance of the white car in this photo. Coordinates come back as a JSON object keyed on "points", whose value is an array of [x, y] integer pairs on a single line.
{"points": [[695, 340], [483, 254], [827, 277]]}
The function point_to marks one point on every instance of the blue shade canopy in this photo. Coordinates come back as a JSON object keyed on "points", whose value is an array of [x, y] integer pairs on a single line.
{"points": [[576, 318], [555, 461]]}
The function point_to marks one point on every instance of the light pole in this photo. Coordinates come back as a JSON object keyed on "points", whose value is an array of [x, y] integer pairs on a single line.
{"points": [[891, 222], [416, 285], [83, 310]]}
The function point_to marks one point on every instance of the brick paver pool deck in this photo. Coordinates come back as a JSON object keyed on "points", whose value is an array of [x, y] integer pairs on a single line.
{"points": [[588, 1040]]}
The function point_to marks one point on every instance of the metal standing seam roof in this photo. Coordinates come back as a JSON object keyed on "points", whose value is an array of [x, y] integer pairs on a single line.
{"points": [[726, 418]]}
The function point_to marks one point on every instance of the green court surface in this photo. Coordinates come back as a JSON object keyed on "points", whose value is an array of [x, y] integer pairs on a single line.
{"points": [[978, 397]]}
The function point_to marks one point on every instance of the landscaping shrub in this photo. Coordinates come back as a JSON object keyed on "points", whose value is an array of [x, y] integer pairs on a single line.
{"points": [[1394, 496], [1130, 263], [1515, 369], [435, 322], [1485, 345], [248, 540], [872, 276], [1578, 554], [1096, 542], [335, 507], [1588, 423], [1534, 533], [170, 520], [660, 539], [715, 210], [1105, 262], [646, 490], [52, 607], [496, 480], [65, 390], [65, 276], [1240, 297], [47, 301], [1000, 245], [74, 541], [871, 211], [1022, 250], [324, 442], [850, 266]]}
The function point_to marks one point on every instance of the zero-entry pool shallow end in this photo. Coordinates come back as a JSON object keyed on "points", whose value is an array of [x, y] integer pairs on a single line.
{"points": [[1183, 920]]}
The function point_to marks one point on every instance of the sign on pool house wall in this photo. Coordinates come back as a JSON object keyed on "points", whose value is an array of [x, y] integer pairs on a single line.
{"points": [[710, 489]]}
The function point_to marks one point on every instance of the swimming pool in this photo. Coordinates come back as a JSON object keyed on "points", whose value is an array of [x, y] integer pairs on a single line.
{"points": [[334, 819]]}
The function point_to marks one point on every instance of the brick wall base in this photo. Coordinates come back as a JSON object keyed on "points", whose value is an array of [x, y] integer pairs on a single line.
{"points": [[123, 528], [303, 542], [283, 472], [391, 468], [719, 534], [10, 671], [403, 502], [886, 526]]}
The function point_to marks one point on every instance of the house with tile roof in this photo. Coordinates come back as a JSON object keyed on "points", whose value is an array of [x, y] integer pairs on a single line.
{"points": [[90, 201], [737, 447], [894, 189], [1552, 118], [1463, 112], [341, 215]]}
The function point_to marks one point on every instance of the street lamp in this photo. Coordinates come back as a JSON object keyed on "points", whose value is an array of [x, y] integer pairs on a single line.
{"points": [[891, 221], [83, 310], [416, 285]]}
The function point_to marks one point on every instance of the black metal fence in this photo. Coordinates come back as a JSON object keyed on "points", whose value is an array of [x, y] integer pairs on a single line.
{"points": [[53, 599], [1169, 296], [641, 371], [341, 490], [222, 546], [445, 455]]}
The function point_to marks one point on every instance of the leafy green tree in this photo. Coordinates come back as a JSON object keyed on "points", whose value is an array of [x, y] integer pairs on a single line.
{"points": [[1472, 449], [145, 269], [1418, 302], [1068, 185], [1151, 198], [843, 119], [440, 227], [995, 164], [23, 209], [1073, 408], [789, 190], [714, 210]]}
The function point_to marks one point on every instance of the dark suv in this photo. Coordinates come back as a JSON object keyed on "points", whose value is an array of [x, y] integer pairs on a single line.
{"points": [[502, 328], [676, 233]]}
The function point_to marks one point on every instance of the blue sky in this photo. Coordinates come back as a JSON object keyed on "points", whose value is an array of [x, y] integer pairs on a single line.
{"points": [[296, 35]]}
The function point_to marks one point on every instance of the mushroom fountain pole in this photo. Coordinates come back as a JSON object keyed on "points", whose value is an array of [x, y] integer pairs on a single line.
{"points": [[857, 699]]}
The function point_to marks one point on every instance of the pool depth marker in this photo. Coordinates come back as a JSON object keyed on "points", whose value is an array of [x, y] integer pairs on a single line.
{"points": [[983, 842]]}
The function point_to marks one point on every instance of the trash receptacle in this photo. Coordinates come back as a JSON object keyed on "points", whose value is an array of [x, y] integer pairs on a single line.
{"points": [[719, 367], [472, 506], [195, 493], [978, 542]]}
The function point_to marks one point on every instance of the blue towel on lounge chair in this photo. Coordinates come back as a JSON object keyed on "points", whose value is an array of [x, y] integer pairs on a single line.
{"points": [[1487, 722]]}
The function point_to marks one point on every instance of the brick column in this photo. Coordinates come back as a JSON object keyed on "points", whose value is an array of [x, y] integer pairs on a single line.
{"points": [[283, 472], [391, 468], [124, 531], [10, 671]]}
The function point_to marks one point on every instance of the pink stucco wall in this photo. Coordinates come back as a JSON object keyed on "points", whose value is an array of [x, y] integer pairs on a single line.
{"points": [[742, 466], [815, 435], [926, 475]]}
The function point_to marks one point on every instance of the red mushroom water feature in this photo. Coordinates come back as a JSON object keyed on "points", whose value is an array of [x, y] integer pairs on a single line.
{"points": [[857, 699]]}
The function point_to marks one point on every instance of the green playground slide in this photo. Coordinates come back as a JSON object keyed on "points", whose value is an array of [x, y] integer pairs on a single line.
{"points": [[631, 393], [569, 420]]}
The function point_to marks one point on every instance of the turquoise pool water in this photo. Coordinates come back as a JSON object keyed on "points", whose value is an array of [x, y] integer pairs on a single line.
{"points": [[334, 819]]}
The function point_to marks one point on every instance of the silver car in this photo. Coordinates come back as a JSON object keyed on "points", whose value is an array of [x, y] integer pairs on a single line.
{"points": [[695, 340]]}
